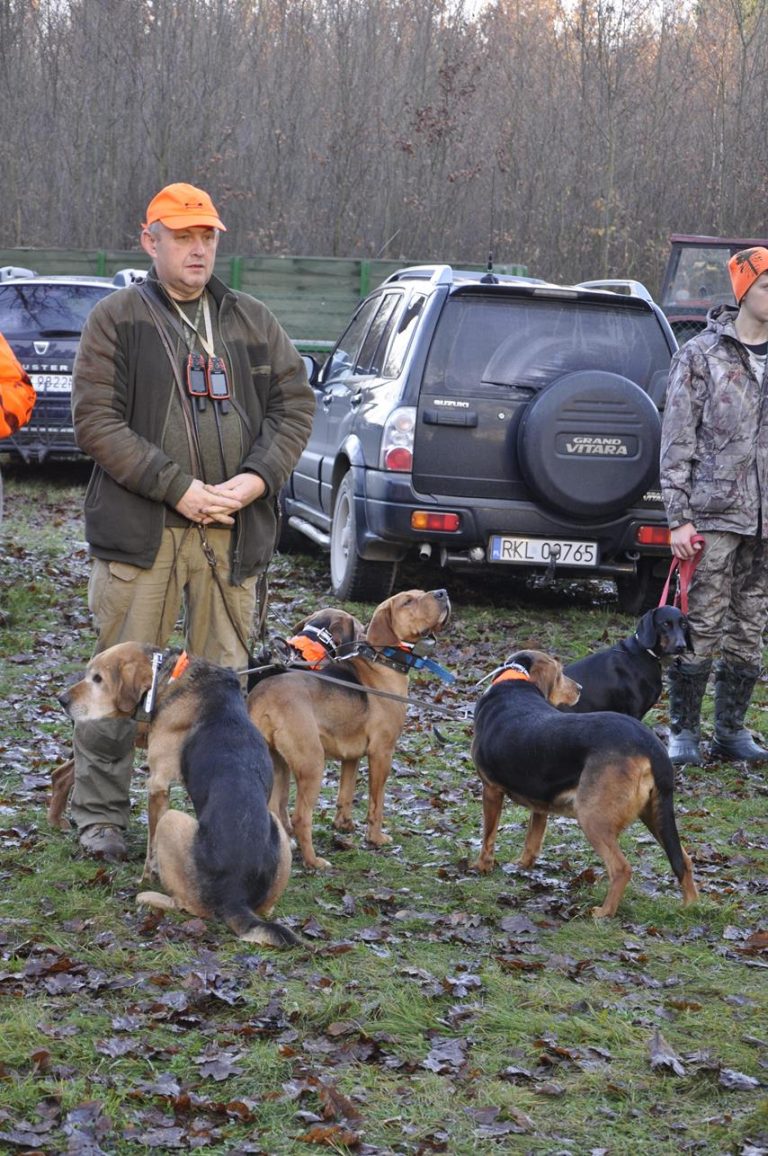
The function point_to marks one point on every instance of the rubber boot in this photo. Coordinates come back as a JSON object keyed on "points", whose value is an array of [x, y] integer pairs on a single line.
{"points": [[687, 684], [103, 750], [733, 693]]}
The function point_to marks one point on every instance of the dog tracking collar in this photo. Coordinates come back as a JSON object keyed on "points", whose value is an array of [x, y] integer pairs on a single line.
{"points": [[149, 700], [315, 645], [145, 709], [647, 649], [512, 672], [405, 659], [182, 662]]}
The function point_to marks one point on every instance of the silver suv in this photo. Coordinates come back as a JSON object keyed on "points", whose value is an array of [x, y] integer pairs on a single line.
{"points": [[489, 422]]}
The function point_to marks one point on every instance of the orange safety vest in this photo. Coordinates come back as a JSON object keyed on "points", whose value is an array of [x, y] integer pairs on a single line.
{"points": [[17, 394]]}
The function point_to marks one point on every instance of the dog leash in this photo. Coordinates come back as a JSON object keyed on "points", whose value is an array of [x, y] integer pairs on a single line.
{"points": [[684, 568], [309, 669]]}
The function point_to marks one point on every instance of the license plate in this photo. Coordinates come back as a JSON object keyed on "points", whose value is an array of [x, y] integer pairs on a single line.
{"points": [[541, 551], [52, 382]]}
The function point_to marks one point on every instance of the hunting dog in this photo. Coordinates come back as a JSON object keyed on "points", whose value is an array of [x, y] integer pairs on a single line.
{"points": [[233, 860], [626, 677], [603, 769], [317, 640], [306, 719]]}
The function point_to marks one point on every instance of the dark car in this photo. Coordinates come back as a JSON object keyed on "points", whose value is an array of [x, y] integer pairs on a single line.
{"points": [[489, 421], [696, 279], [42, 318]]}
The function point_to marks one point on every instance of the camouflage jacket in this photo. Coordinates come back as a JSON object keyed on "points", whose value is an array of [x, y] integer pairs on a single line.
{"points": [[714, 437]]}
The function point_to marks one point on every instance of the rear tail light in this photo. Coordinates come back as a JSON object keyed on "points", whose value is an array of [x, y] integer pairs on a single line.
{"points": [[652, 536], [430, 520], [397, 440]]}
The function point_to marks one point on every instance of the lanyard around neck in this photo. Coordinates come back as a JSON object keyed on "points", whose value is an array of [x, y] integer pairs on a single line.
{"points": [[207, 340]]}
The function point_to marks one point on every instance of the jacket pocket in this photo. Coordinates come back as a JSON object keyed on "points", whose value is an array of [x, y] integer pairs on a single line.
{"points": [[719, 488]]}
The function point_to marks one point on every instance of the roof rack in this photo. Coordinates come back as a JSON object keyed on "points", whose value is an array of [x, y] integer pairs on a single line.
{"points": [[435, 274], [619, 285]]}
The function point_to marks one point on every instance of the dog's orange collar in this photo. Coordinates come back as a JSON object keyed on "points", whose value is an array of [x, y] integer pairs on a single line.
{"points": [[314, 653], [182, 662], [509, 673]]}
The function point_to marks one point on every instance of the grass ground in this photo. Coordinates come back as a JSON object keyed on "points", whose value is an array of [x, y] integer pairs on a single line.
{"points": [[433, 1010]]}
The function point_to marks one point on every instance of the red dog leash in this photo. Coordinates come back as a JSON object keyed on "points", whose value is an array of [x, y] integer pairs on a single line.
{"points": [[684, 570]]}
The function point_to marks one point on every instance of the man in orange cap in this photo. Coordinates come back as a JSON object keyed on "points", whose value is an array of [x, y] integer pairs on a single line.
{"points": [[195, 406], [714, 480]]}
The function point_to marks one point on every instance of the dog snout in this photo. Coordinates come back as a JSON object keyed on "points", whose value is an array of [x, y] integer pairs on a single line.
{"points": [[442, 599]]}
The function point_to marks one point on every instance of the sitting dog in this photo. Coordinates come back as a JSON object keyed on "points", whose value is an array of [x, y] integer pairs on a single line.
{"points": [[603, 769], [233, 861], [318, 639], [626, 677], [307, 719]]}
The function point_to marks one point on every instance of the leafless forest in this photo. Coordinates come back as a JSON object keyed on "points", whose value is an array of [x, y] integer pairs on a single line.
{"points": [[577, 134]]}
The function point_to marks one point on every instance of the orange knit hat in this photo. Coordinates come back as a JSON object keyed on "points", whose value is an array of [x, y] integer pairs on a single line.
{"points": [[745, 267]]}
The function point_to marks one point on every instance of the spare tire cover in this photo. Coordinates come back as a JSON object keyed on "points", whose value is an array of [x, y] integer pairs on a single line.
{"points": [[588, 444]]}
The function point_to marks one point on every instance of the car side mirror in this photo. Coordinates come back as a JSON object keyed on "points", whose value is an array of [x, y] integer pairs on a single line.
{"points": [[312, 367]]}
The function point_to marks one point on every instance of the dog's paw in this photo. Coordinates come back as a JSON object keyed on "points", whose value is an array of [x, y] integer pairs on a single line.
{"points": [[59, 822], [317, 864], [484, 864], [343, 823], [379, 838], [600, 913], [157, 900]]}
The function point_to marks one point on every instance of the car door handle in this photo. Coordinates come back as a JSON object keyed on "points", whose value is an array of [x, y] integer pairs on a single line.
{"points": [[356, 399], [465, 417]]}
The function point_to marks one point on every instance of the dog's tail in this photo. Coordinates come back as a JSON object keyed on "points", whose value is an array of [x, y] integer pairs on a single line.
{"points": [[251, 929], [659, 817]]}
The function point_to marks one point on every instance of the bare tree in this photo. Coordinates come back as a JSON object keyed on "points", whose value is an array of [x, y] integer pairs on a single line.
{"points": [[572, 136]]}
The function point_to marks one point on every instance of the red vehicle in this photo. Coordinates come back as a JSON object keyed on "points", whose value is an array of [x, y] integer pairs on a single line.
{"points": [[696, 278]]}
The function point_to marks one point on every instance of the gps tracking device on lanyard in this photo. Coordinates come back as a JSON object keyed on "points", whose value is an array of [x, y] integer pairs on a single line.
{"points": [[197, 379], [218, 386]]}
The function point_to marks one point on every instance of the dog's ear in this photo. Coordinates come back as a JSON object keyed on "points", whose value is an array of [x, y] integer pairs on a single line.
{"points": [[345, 628], [381, 630], [522, 658], [544, 670], [356, 627], [133, 680], [686, 629], [647, 631]]}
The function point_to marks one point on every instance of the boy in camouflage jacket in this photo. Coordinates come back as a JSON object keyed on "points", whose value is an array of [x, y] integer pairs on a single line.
{"points": [[714, 480]]}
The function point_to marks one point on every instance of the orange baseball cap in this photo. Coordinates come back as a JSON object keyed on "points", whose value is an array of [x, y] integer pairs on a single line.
{"points": [[183, 206], [745, 267]]}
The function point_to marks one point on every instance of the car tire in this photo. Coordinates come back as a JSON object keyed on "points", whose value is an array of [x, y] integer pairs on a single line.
{"points": [[640, 592], [353, 577]]}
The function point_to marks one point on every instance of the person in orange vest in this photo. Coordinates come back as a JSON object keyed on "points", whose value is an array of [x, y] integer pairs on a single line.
{"points": [[17, 397]]}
